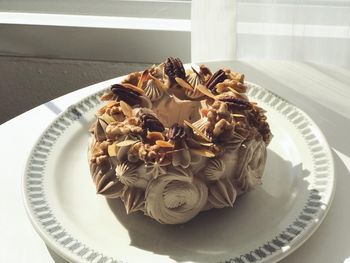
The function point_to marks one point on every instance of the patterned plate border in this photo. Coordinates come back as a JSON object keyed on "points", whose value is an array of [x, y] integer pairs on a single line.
{"points": [[316, 206]]}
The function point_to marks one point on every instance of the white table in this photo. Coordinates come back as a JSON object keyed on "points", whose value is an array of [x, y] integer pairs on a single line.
{"points": [[323, 92]]}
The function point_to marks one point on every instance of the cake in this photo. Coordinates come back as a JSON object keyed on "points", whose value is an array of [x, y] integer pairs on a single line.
{"points": [[172, 142]]}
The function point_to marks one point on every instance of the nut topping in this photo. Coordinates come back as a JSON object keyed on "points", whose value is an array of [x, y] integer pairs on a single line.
{"points": [[132, 78], [129, 96], [155, 136], [218, 77], [176, 132], [205, 72], [151, 123], [173, 67], [236, 103]]}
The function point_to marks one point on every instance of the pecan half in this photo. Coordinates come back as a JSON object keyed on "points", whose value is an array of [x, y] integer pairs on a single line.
{"points": [[151, 123], [176, 132], [236, 103], [218, 77], [129, 96], [173, 67]]}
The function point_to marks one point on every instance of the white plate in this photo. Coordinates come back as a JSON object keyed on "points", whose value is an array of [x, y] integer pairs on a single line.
{"points": [[264, 225]]}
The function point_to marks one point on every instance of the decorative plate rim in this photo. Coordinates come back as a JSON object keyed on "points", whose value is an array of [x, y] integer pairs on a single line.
{"points": [[74, 250]]}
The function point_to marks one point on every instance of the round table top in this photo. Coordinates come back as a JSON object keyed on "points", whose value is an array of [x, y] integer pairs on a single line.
{"points": [[321, 91]]}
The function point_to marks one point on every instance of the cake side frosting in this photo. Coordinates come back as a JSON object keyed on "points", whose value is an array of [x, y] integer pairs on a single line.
{"points": [[173, 142]]}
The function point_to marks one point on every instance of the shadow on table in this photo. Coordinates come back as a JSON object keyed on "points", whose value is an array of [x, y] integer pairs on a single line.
{"points": [[212, 235]]}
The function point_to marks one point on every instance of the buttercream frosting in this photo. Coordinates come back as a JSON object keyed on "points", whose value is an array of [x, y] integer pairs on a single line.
{"points": [[175, 198], [173, 143]]}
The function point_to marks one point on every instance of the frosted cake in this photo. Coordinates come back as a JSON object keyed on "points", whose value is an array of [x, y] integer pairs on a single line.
{"points": [[172, 142]]}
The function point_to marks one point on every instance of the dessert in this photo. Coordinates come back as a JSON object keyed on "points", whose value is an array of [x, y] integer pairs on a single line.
{"points": [[173, 142]]}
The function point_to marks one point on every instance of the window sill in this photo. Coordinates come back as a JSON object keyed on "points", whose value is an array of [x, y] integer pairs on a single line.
{"points": [[130, 39]]}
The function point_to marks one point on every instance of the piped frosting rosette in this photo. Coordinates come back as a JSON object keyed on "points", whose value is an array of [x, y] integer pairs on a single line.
{"points": [[172, 142], [175, 197], [251, 164]]}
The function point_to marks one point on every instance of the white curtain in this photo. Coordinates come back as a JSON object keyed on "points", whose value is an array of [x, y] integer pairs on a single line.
{"points": [[298, 30]]}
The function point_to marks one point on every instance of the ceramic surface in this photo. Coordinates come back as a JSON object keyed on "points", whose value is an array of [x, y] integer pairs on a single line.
{"points": [[264, 225]]}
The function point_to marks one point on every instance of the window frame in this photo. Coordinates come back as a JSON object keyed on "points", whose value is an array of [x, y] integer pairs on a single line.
{"points": [[138, 37]]}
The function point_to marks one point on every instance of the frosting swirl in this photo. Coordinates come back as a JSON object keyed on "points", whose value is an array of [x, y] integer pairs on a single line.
{"points": [[222, 193], [215, 169], [252, 160], [153, 91], [194, 79], [175, 198]]}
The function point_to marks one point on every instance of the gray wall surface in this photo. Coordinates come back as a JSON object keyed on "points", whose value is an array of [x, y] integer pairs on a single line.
{"points": [[28, 82]]}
